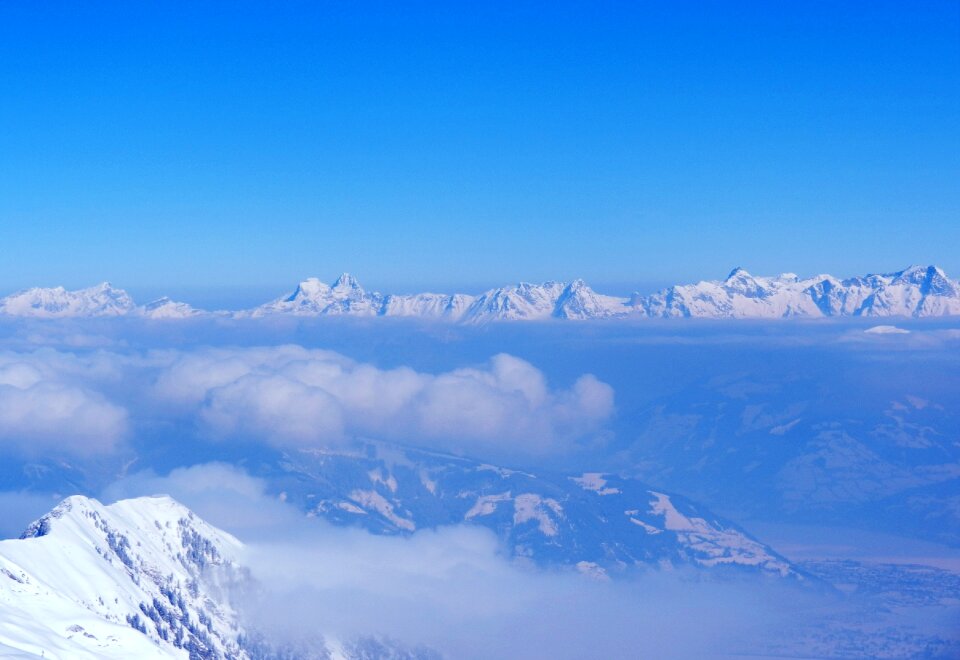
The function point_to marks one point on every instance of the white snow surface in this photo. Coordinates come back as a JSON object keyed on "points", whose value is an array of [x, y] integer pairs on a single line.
{"points": [[543, 510], [594, 481], [715, 544], [71, 587], [486, 505], [374, 500], [141, 578]]}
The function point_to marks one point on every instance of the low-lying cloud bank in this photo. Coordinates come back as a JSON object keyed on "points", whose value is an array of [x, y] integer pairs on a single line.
{"points": [[289, 396], [453, 589]]}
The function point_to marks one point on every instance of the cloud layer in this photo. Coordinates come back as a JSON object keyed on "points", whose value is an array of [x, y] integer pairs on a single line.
{"points": [[290, 396]]}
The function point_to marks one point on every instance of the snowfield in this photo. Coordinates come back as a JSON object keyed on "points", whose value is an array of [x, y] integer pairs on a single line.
{"points": [[141, 578]]}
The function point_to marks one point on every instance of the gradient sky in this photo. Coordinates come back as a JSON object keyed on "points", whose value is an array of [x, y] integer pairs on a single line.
{"points": [[175, 145]]}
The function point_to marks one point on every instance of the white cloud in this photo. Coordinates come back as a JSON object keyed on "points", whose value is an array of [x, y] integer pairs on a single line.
{"points": [[278, 408], [46, 403], [291, 396]]}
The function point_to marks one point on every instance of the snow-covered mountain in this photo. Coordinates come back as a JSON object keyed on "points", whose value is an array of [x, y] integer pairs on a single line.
{"points": [[141, 578], [100, 300], [522, 301], [918, 291], [597, 523], [314, 298]]}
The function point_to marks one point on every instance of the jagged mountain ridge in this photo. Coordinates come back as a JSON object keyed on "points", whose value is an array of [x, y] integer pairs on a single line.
{"points": [[102, 300], [594, 522], [916, 292], [140, 578]]}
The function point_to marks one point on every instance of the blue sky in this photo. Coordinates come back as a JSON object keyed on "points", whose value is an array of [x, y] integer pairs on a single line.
{"points": [[178, 145]]}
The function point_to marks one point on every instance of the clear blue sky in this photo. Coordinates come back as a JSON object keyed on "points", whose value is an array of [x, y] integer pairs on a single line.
{"points": [[165, 145]]}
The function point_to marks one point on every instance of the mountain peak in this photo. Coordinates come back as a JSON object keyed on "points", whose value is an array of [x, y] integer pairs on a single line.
{"points": [[738, 272], [310, 287], [931, 271], [917, 274], [75, 505], [346, 281]]}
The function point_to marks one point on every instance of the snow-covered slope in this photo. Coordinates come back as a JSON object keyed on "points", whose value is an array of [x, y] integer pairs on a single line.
{"points": [[579, 301], [522, 301], [595, 522], [141, 578], [918, 291], [427, 305]]}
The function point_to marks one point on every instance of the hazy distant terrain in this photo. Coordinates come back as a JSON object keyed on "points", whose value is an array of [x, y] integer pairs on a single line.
{"points": [[610, 453]]}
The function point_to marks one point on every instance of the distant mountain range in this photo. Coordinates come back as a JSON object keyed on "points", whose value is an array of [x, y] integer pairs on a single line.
{"points": [[915, 292]]}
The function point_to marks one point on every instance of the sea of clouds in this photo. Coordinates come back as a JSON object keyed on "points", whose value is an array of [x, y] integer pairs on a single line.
{"points": [[119, 409]]}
